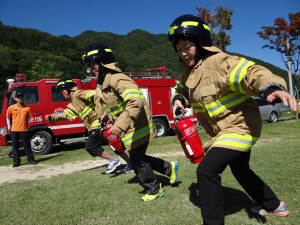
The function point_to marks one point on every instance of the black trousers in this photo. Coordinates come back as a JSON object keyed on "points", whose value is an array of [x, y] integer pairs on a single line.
{"points": [[143, 166], [15, 137], [93, 143], [210, 188]]}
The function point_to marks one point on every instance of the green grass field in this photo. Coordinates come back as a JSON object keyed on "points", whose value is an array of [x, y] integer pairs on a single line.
{"points": [[91, 197]]}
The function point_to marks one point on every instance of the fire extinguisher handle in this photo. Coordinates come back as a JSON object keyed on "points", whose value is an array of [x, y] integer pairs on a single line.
{"points": [[103, 122]]}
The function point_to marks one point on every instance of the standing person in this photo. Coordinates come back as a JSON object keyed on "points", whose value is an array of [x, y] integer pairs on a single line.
{"points": [[17, 117], [83, 106], [222, 85], [130, 115]]}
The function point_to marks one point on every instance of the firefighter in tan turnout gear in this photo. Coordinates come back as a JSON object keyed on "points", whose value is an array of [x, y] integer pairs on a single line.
{"points": [[219, 88], [83, 106], [130, 115]]}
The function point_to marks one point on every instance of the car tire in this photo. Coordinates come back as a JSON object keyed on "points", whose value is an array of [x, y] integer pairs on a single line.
{"points": [[161, 127], [273, 117], [41, 143]]}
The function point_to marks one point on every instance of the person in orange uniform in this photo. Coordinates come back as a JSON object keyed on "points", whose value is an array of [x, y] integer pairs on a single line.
{"points": [[18, 116]]}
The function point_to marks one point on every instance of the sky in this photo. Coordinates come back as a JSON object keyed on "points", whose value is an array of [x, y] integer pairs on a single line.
{"points": [[72, 17]]}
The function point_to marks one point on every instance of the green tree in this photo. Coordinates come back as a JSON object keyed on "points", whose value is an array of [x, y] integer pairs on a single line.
{"points": [[218, 21], [285, 39], [44, 69]]}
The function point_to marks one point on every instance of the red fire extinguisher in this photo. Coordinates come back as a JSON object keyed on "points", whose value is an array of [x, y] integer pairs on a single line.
{"points": [[113, 140], [188, 137]]}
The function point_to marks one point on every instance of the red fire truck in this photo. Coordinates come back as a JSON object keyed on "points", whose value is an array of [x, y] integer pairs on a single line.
{"points": [[43, 99]]}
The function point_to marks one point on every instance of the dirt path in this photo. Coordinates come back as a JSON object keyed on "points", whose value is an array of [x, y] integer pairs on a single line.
{"points": [[44, 171]]}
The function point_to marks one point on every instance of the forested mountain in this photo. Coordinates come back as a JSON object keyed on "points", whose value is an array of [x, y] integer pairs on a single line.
{"points": [[42, 55]]}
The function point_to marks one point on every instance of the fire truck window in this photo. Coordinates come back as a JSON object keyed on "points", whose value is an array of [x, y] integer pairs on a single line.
{"points": [[57, 96], [31, 95]]}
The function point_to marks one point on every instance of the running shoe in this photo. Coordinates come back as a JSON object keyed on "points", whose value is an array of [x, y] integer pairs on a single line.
{"points": [[173, 177], [280, 211], [127, 169], [149, 198], [112, 165]]}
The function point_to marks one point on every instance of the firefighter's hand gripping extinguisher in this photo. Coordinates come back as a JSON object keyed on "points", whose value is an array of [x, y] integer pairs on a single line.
{"points": [[188, 137], [113, 140]]}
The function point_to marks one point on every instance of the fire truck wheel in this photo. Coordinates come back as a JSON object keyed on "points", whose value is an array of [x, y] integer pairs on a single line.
{"points": [[41, 143], [161, 128]]}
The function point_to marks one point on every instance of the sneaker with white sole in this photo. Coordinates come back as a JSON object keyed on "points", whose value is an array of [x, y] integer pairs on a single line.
{"points": [[280, 211], [127, 169], [112, 165]]}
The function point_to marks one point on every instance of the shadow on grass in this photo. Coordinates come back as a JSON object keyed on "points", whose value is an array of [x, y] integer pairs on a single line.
{"points": [[67, 147], [235, 201], [56, 148], [165, 181]]}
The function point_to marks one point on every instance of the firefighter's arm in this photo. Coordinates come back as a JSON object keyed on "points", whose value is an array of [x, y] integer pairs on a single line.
{"points": [[68, 114], [99, 109], [245, 77], [88, 95], [181, 94], [132, 101], [180, 98]]}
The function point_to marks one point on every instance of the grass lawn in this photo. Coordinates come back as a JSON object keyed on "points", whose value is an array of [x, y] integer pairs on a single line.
{"points": [[91, 197]]}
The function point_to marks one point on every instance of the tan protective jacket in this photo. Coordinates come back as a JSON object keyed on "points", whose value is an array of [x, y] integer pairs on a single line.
{"points": [[219, 89], [126, 107], [83, 106]]}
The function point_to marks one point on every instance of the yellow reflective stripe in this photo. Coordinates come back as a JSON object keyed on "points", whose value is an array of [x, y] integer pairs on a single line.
{"points": [[236, 140], [180, 85], [132, 93], [225, 102], [138, 134], [171, 29], [92, 52], [106, 108], [238, 74], [189, 23], [116, 109], [95, 123], [89, 95], [198, 108], [108, 50], [70, 113], [206, 27], [83, 57], [86, 111], [69, 81]]}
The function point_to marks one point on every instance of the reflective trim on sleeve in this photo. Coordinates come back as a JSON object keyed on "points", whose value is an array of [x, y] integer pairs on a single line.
{"points": [[225, 102], [71, 113], [238, 74], [95, 123], [138, 134], [116, 109], [236, 140], [89, 95], [132, 93], [86, 111], [198, 108], [106, 108], [180, 85]]}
